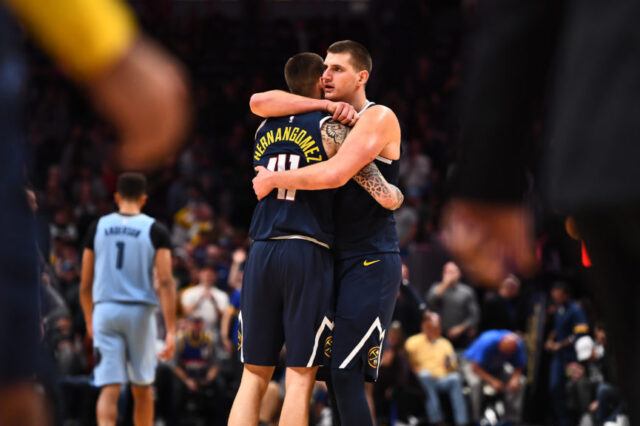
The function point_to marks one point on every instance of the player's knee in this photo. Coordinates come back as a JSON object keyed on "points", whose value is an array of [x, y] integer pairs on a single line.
{"points": [[141, 392], [300, 376], [258, 374]]}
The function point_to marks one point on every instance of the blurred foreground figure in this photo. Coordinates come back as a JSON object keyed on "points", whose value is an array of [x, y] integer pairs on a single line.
{"points": [[135, 85], [588, 166]]}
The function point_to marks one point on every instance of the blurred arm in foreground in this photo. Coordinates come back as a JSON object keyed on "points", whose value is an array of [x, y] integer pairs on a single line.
{"points": [[132, 82]]}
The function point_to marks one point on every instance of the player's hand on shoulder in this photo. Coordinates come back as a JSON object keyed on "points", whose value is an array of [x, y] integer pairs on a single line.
{"points": [[343, 112], [262, 183]]}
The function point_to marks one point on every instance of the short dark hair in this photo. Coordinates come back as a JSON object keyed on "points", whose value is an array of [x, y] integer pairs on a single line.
{"points": [[302, 72], [131, 185], [360, 56], [562, 285]]}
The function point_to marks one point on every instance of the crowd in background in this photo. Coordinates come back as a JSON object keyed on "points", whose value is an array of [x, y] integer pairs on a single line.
{"points": [[473, 350]]}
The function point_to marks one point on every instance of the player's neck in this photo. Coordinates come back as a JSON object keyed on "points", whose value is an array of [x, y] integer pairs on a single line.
{"points": [[128, 208], [359, 100]]}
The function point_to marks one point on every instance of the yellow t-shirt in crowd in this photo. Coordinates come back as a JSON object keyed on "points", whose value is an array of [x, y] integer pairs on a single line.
{"points": [[85, 37], [430, 356]]}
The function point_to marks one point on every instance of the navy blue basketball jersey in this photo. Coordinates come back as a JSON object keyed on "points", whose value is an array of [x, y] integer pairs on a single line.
{"points": [[362, 225], [287, 143]]}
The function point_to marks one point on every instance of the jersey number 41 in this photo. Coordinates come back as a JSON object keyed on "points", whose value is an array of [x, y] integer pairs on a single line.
{"points": [[281, 163]]}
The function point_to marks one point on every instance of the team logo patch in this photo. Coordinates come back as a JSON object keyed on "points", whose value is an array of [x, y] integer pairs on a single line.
{"points": [[328, 346], [374, 356], [239, 340]]}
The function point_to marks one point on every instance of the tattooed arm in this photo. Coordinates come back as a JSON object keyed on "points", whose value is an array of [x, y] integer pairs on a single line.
{"points": [[369, 178]]}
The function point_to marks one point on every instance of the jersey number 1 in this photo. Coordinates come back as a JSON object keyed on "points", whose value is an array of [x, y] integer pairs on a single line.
{"points": [[120, 257], [281, 162]]}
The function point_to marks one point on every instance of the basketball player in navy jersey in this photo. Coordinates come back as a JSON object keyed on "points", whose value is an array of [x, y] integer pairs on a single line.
{"points": [[287, 292], [368, 267], [118, 300]]}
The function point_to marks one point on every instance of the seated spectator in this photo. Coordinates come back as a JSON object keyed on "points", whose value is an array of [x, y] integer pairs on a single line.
{"points": [[206, 301], [196, 369], [409, 305], [504, 309], [457, 305], [496, 358], [569, 324], [434, 361]]}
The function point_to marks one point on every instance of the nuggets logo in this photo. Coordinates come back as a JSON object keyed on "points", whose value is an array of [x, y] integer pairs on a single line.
{"points": [[328, 345], [239, 340], [374, 356]]}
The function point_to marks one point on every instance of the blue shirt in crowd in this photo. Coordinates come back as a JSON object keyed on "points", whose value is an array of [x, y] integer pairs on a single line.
{"points": [[484, 351]]}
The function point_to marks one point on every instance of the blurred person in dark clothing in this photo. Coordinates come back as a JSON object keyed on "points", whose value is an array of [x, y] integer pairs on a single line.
{"points": [[589, 161], [457, 305], [569, 323], [409, 306], [504, 309]]}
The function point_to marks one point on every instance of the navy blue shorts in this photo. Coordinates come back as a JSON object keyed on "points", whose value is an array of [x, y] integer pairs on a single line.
{"points": [[366, 291], [287, 292], [19, 285]]}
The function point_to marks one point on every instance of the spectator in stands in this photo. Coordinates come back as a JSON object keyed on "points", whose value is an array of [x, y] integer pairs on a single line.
{"points": [[504, 309], [569, 323], [415, 168], [407, 219], [496, 358], [457, 305], [434, 361], [196, 369], [206, 301], [229, 326]]}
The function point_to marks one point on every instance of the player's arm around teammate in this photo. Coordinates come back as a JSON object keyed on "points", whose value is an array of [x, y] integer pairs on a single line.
{"points": [[369, 178], [375, 129]]}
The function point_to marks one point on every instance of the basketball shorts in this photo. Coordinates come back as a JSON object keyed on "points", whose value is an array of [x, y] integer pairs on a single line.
{"points": [[286, 298], [19, 288], [366, 292], [124, 341]]}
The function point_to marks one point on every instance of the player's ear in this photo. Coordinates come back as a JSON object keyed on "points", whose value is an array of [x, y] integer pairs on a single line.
{"points": [[117, 198], [143, 200], [363, 77]]}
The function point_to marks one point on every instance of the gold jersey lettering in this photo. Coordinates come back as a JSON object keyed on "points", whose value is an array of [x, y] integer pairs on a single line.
{"points": [[294, 134], [279, 134], [270, 137], [287, 133]]}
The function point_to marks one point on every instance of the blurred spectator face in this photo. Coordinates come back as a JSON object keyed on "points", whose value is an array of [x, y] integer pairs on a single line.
{"points": [[509, 344], [510, 287], [207, 276], [196, 325], [203, 212], [451, 272], [339, 78], [396, 335], [600, 335], [405, 272], [431, 325], [559, 295]]}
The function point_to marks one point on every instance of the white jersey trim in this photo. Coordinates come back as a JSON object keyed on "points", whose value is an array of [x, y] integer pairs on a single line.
{"points": [[301, 237], [324, 120], [383, 159], [241, 334], [368, 104], [326, 323], [375, 325]]}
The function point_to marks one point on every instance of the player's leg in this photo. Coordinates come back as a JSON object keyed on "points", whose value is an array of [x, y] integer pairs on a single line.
{"points": [[307, 315], [261, 333], [367, 292], [107, 409], [253, 385], [110, 355], [21, 404], [299, 383], [140, 335], [142, 405]]}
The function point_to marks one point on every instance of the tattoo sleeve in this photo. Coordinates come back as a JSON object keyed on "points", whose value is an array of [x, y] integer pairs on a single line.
{"points": [[387, 195], [370, 178]]}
